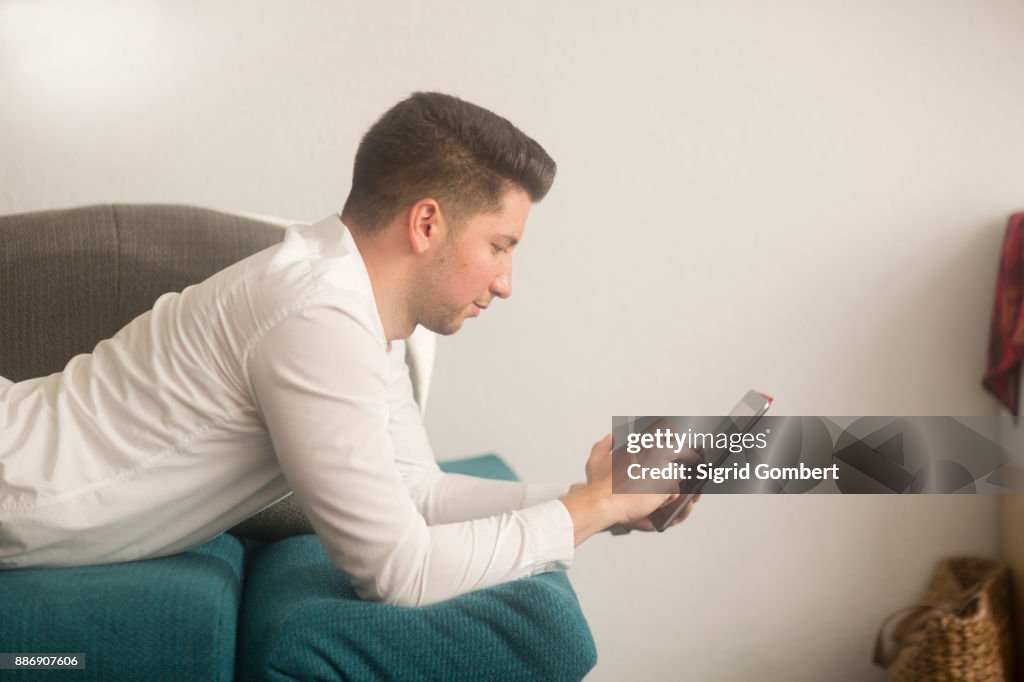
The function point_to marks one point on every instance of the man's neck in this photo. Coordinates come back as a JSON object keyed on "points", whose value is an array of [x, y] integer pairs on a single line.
{"points": [[388, 283]]}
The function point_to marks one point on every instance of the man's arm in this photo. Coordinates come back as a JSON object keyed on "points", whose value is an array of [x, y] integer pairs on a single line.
{"points": [[319, 381], [446, 498], [439, 496]]}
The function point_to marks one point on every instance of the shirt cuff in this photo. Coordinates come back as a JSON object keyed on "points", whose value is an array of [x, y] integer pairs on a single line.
{"points": [[554, 536], [535, 493]]}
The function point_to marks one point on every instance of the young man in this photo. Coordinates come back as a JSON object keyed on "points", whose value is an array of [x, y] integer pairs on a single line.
{"points": [[286, 372]]}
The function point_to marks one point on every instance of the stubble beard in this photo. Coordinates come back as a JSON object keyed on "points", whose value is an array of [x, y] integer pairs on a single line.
{"points": [[443, 322], [430, 310]]}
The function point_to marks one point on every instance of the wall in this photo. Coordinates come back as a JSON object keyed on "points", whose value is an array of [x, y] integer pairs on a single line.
{"points": [[801, 197]]}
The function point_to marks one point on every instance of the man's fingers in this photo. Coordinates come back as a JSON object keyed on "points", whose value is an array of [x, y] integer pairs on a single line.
{"points": [[683, 515], [642, 524], [602, 447]]}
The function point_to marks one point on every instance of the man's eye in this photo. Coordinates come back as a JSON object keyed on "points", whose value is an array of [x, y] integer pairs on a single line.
{"points": [[498, 249]]}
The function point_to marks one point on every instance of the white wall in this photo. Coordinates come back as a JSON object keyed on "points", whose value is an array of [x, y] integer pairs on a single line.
{"points": [[803, 197]]}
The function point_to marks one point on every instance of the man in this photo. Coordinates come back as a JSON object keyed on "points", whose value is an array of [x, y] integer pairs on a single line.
{"points": [[286, 372]]}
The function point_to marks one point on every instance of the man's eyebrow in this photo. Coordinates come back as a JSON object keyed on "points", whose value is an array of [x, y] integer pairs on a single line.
{"points": [[512, 241]]}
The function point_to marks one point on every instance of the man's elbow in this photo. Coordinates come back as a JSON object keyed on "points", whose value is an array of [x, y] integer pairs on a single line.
{"points": [[392, 596], [390, 591], [399, 598]]}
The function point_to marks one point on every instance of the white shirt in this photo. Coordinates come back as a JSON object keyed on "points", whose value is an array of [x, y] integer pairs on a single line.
{"points": [[272, 375]]}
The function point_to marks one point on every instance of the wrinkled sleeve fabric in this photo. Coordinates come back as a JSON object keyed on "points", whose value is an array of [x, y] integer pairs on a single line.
{"points": [[439, 496], [319, 380]]}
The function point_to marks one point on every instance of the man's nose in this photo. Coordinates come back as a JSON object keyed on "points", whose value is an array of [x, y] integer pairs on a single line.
{"points": [[502, 284]]}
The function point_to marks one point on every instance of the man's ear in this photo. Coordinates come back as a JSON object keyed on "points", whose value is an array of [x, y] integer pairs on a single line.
{"points": [[425, 226]]}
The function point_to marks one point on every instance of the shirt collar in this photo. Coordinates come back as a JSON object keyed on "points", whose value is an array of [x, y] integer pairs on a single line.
{"points": [[333, 239]]}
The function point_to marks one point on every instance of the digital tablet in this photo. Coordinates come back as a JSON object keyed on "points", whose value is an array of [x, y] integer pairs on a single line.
{"points": [[741, 420]]}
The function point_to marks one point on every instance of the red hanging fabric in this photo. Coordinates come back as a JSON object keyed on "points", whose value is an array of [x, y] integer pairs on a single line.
{"points": [[1006, 335]]}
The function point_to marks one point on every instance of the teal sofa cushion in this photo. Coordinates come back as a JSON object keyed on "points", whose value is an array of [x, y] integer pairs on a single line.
{"points": [[484, 466], [172, 618], [301, 620]]}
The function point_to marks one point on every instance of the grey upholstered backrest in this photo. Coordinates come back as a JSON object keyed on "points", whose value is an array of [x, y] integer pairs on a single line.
{"points": [[71, 278]]}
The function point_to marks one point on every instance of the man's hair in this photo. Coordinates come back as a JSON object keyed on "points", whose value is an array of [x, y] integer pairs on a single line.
{"points": [[439, 146]]}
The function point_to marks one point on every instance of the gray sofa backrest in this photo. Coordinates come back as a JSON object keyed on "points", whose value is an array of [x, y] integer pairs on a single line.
{"points": [[71, 278]]}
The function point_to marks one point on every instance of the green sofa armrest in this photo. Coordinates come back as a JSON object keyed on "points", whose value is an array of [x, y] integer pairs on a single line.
{"points": [[301, 619]]}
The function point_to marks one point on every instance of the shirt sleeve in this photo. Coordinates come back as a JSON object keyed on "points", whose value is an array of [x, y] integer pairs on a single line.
{"points": [[319, 379], [442, 497]]}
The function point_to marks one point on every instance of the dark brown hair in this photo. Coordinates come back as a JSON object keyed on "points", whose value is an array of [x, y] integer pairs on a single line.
{"points": [[439, 146]]}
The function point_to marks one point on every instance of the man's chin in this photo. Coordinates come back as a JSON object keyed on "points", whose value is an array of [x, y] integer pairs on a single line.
{"points": [[446, 328]]}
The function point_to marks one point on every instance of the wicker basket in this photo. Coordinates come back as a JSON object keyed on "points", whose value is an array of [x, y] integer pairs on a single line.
{"points": [[960, 630]]}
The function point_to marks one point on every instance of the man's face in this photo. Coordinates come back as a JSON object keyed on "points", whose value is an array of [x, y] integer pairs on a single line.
{"points": [[471, 267]]}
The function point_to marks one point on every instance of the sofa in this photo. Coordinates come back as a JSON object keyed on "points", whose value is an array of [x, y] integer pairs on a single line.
{"points": [[261, 601]]}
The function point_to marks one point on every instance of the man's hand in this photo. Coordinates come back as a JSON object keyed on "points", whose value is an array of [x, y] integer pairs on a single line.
{"points": [[593, 469], [594, 507], [647, 525]]}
